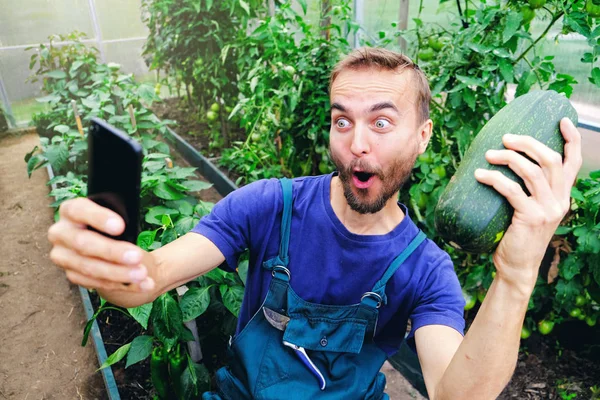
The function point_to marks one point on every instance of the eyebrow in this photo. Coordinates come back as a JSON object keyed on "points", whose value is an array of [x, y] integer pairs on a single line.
{"points": [[338, 106], [376, 107], [382, 106]]}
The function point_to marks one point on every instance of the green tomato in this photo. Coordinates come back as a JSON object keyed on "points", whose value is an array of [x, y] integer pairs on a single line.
{"points": [[426, 54], [228, 109], [528, 14], [575, 313], [591, 320], [592, 7], [545, 327], [470, 300], [440, 171], [157, 88], [537, 3], [255, 137], [215, 107], [435, 44], [582, 316], [580, 301], [211, 116], [525, 332]]}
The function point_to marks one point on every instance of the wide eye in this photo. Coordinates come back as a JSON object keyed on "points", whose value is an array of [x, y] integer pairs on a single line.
{"points": [[342, 123], [382, 123]]}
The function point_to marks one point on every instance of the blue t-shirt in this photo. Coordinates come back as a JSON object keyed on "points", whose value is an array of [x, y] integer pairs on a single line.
{"points": [[331, 265]]}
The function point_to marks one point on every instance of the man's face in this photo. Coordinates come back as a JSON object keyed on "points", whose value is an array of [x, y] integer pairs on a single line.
{"points": [[375, 134]]}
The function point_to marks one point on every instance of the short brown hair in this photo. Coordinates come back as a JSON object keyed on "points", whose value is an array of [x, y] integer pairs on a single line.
{"points": [[368, 57]]}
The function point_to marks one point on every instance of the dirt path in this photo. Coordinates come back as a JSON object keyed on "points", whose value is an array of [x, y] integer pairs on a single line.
{"points": [[41, 314]]}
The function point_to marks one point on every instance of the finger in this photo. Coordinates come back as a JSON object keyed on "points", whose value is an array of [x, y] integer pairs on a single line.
{"points": [[508, 188], [96, 268], [91, 283], [93, 244], [532, 174], [549, 160], [85, 212], [573, 158]]}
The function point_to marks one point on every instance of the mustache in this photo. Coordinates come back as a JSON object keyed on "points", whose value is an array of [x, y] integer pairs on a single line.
{"points": [[363, 166]]}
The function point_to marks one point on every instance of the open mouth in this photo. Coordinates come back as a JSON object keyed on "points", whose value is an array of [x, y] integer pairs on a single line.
{"points": [[362, 179], [363, 176]]}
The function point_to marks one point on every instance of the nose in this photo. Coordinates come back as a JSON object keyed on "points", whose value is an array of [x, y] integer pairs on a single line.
{"points": [[360, 142]]}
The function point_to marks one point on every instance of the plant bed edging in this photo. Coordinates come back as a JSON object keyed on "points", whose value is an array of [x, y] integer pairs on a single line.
{"points": [[107, 373], [405, 361], [222, 183]]}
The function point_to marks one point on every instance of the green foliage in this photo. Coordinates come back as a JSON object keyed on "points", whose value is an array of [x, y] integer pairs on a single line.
{"points": [[71, 74], [255, 69], [486, 50], [283, 99], [191, 41]]}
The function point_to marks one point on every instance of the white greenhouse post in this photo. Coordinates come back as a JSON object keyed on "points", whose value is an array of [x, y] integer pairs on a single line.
{"points": [[97, 31], [6, 103], [271, 7], [359, 17], [403, 22]]}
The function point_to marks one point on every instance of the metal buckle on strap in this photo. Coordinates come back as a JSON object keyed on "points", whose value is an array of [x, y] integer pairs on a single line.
{"points": [[373, 294], [282, 269]]}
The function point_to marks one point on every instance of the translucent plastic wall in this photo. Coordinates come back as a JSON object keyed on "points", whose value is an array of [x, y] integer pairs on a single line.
{"points": [[112, 26]]}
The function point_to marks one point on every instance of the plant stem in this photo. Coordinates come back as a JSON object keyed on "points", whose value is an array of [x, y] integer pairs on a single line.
{"points": [[416, 210], [534, 71], [532, 45], [439, 106], [464, 23], [115, 309]]}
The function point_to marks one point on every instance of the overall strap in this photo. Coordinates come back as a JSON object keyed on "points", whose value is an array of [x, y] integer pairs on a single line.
{"points": [[377, 296], [286, 222]]}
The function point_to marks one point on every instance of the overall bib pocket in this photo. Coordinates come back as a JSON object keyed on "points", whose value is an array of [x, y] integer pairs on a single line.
{"points": [[326, 334]]}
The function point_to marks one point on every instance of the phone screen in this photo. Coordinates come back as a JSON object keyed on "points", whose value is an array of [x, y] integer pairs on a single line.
{"points": [[114, 174]]}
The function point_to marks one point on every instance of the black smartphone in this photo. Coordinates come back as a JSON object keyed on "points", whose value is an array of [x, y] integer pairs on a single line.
{"points": [[114, 174]]}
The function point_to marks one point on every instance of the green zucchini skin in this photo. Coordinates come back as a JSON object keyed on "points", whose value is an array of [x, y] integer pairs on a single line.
{"points": [[472, 216]]}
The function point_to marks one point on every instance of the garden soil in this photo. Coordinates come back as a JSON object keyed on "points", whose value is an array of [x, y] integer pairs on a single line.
{"points": [[41, 313]]}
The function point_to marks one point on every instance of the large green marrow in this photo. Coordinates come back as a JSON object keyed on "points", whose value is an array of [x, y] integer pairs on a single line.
{"points": [[473, 216]]}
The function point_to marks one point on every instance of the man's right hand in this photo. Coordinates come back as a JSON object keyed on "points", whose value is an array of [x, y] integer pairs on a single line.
{"points": [[93, 260]]}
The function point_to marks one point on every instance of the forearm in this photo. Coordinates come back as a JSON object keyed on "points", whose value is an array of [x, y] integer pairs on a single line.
{"points": [[171, 266], [486, 358]]}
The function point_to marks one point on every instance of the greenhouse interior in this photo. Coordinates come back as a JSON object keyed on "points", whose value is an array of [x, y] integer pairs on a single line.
{"points": [[207, 109]]}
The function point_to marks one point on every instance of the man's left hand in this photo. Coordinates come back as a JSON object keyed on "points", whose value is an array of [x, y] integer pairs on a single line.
{"points": [[536, 216]]}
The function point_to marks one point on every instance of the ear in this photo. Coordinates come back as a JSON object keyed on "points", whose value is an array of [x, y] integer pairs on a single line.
{"points": [[424, 134]]}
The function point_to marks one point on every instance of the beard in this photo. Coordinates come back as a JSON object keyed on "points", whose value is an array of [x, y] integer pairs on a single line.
{"points": [[392, 180]]}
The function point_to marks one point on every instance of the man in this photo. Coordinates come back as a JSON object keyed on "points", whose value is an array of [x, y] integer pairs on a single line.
{"points": [[337, 264]]}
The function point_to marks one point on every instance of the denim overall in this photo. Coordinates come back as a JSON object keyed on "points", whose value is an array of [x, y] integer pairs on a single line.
{"points": [[338, 340]]}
